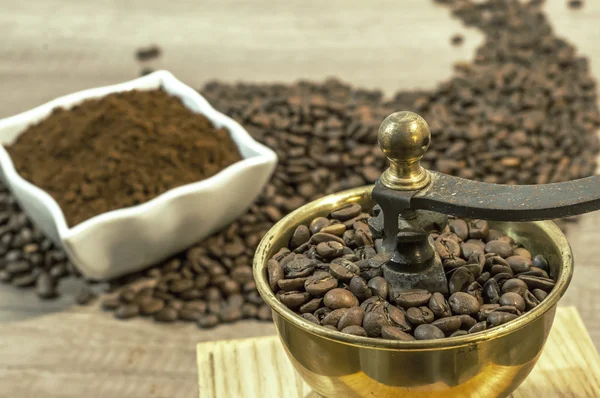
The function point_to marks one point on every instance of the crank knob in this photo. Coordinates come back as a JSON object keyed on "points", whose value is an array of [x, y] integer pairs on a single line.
{"points": [[404, 138]]}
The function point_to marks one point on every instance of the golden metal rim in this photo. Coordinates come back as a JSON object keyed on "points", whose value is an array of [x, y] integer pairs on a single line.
{"points": [[358, 194]]}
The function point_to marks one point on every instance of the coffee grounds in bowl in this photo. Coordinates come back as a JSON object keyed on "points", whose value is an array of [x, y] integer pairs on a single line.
{"points": [[119, 151]]}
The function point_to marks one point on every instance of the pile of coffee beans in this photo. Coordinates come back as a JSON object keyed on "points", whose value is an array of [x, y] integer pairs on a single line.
{"points": [[331, 274], [119, 151], [28, 258]]}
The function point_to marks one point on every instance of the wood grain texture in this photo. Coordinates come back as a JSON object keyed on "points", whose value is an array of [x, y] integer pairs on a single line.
{"points": [[54, 47], [258, 367]]}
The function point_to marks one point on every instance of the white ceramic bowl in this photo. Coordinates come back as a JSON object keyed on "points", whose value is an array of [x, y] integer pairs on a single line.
{"points": [[127, 240]]}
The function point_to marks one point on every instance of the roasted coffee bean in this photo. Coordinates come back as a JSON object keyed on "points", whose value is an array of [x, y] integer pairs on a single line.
{"points": [[208, 321], [396, 316], [344, 270], [491, 292], [24, 280], [230, 314], [330, 327], [483, 278], [460, 279], [288, 285], [478, 327], [311, 318], [321, 237], [467, 321], [428, 332], [359, 287], [449, 324], [339, 298], [447, 248], [346, 212], [412, 298], [126, 311], [295, 299], [514, 285], [167, 314], [394, 333], [355, 331], [45, 286], [509, 308], [353, 316], [330, 250], [478, 229], [501, 269], [373, 322], [539, 294], [519, 264], [512, 299], [318, 224], [463, 303], [299, 267], [501, 278], [335, 229], [536, 282], [419, 315], [530, 300], [180, 285], [301, 236], [111, 303], [522, 252], [275, 272], [320, 283], [439, 306], [460, 228], [379, 287], [189, 315], [539, 261], [534, 271], [333, 318], [475, 290], [459, 333], [485, 310], [311, 306], [84, 295], [499, 247], [497, 318]]}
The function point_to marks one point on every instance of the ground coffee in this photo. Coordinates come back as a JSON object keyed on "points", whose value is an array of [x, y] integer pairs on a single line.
{"points": [[119, 151]]}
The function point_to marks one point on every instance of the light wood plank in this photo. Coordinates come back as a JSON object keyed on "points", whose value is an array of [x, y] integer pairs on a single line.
{"points": [[258, 367]]}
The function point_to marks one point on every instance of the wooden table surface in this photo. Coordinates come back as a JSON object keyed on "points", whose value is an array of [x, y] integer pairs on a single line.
{"points": [[54, 47]]}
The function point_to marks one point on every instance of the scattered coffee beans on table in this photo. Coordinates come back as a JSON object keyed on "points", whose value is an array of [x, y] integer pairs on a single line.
{"points": [[331, 274], [120, 150]]}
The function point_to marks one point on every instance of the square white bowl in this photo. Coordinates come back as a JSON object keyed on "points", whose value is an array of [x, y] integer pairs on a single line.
{"points": [[126, 240]]}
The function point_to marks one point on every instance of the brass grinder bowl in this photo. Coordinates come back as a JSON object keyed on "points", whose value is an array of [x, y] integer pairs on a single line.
{"points": [[491, 363]]}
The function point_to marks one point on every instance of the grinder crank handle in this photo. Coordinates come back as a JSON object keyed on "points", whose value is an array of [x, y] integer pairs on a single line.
{"points": [[404, 137]]}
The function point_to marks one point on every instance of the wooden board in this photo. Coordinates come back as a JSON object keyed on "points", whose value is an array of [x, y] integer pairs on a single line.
{"points": [[258, 367]]}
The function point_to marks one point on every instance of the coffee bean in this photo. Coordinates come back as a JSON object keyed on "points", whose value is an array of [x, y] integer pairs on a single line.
{"points": [[463, 303], [460, 228], [478, 229], [353, 316], [534, 271], [394, 333], [207, 321], [530, 300], [84, 295], [126, 311], [449, 324], [428, 332], [344, 270], [275, 272], [346, 212], [499, 247], [330, 327], [373, 322], [150, 305], [355, 331], [491, 292], [230, 314], [359, 287], [419, 315], [379, 287], [478, 327], [439, 306], [45, 287], [320, 283], [333, 318], [24, 280], [519, 264], [335, 229], [295, 299], [475, 290], [536, 282], [497, 318], [330, 250], [318, 224], [447, 248], [311, 318], [539, 294], [412, 298], [514, 285], [485, 310], [522, 252], [513, 299], [111, 303], [501, 269], [539, 261], [501, 278], [311, 306], [292, 284], [299, 267], [167, 314], [460, 279], [321, 237], [340, 298]]}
